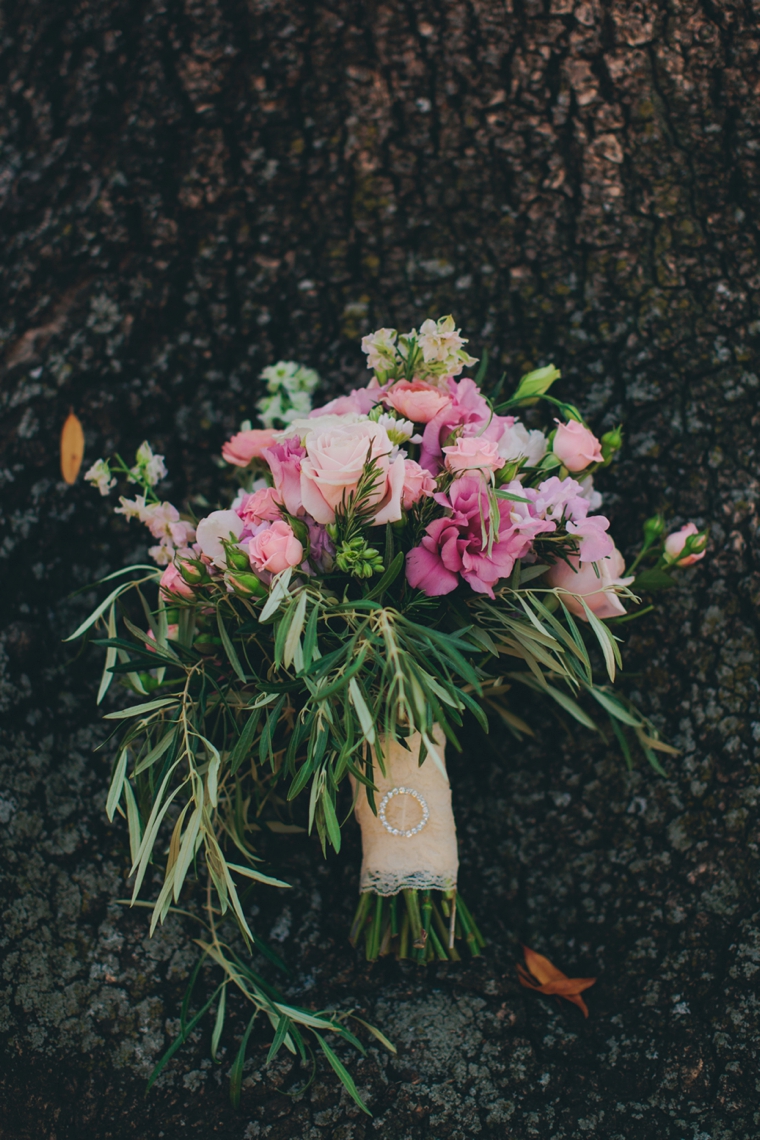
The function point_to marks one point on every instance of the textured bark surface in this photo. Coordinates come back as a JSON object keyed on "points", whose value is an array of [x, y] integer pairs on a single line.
{"points": [[191, 190]]}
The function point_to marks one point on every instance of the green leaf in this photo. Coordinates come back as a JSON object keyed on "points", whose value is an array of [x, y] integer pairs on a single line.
{"points": [[310, 637], [376, 1033], [653, 580], [345, 1077], [219, 1023], [536, 383], [101, 609], [294, 631], [156, 753], [117, 783], [613, 707], [236, 1072], [284, 1024], [107, 676], [138, 710], [244, 742], [331, 819], [180, 1040], [363, 713], [277, 595], [606, 640], [251, 873], [388, 578], [229, 648]]}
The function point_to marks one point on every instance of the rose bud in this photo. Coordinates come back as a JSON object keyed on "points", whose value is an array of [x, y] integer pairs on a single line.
{"points": [[576, 446], [679, 539], [174, 585], [245, 584]]}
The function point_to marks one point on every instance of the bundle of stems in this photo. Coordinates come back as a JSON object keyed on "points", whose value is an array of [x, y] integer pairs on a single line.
{"points": [[423, 926]]}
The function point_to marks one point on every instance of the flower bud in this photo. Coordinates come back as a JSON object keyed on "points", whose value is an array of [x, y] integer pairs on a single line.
{"points": [[654, 529], [245, 584], [611, 442], [237, 559], [193, 571]]}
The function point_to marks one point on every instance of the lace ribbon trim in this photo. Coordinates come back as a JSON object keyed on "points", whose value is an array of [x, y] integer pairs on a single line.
{"points": [[387, 883]]}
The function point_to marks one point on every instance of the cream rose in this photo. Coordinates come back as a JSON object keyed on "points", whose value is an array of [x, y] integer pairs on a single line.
{"points": [[334, 462]]}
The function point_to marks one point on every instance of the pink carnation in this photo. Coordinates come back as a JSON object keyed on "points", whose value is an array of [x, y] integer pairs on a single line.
{"points": [[284, 461], [247, 445], [458, 546], [416, 400], [275, 548], [262, 506], [418, 483], [576, 446], [472, 453]]}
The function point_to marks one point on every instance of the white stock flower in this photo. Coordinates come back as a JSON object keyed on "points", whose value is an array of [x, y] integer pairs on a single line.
{"points": [[517, 442], [149, 468], [380, 348], [290, 386], [100, 475], [443, 347], [215, 527], [587, 492], [399, 430]]}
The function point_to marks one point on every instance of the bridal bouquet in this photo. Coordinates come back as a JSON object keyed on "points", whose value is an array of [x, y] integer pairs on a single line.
{"points": [[393, 561]]}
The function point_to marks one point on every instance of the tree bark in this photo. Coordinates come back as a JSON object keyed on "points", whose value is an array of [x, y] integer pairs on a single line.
{"points": [[191, 190]]}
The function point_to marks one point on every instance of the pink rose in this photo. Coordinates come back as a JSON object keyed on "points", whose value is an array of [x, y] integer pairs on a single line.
{"points": [[418, 483], [457, 548], [576, 446], [416, 400], [261, 506], [676, 541], [284, 461], [174, 585], [473, 453], [597, 592], [275, 548], [172, 633], [247, 445], [334, 463]]}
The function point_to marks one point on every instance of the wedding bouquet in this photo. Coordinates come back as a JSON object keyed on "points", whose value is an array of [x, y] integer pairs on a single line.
{"points": [[395, 560]]}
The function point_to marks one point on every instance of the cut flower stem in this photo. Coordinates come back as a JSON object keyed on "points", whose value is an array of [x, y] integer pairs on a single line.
{"points": [[413, 925]]}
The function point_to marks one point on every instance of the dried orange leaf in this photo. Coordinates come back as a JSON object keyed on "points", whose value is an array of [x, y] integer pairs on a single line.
{"points": [[543, 976], [72, 448]]}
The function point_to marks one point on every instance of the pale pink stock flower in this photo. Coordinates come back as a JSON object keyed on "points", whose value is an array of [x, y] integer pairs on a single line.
{"points": [[555, 497], [576, 446], [594, 543], [173, 584], [360, 400], [242, 448], [416, 401], [675, 543], [418, 483], [597, 591], [275, 548], [335, 462], [284, 461], [261, 506], [218, 525], [460, 546], [472, 453]]}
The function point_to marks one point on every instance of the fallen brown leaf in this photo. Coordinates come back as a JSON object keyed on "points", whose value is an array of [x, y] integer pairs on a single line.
{"points": [[544, 977], [72, 448]]}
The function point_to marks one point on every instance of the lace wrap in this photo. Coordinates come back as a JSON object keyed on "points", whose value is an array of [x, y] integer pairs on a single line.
{"points": [[412, 842]]}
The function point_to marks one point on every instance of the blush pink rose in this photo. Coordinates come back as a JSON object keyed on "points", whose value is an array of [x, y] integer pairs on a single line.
{"points": [[275, 548], [576, 446], [284, 461], [247, 445], [416, 401], [261, 506], [579, 578], [173, 584], [468, 409], [675, 543], [473, 453], [456, 548], [418, 483], [334, 463]]}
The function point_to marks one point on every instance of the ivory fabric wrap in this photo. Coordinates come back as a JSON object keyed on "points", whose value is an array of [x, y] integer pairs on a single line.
{"points": [[427, 860]]}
